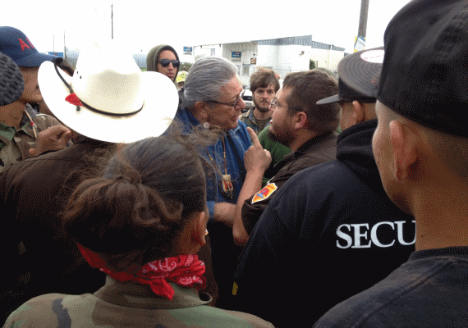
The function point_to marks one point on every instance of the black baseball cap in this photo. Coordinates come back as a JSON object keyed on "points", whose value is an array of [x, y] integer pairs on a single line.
{"points": [[358, 77], [11, 81], [425, 70]]}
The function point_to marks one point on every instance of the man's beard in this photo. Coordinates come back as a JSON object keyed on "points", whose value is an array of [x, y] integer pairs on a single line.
{"points": [[284, 137], [261, 109]]}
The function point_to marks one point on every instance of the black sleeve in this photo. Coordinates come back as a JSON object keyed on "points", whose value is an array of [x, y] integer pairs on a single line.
{"points": [[251, 213], [265, 261], [268, 276]]}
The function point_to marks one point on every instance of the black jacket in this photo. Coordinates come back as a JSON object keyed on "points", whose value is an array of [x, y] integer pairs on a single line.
{"points": [[40, 259], [329, 233], [315, 151]]}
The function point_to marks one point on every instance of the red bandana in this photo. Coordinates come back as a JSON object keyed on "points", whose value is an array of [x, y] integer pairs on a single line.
{"points": [[184, 270]]}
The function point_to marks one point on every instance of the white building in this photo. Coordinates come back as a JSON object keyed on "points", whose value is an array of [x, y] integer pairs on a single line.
{"points": [[283, 55]]}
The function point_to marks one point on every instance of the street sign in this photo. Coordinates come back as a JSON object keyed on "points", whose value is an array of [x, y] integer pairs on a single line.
{"points": [[360, 44], [236, 54]]}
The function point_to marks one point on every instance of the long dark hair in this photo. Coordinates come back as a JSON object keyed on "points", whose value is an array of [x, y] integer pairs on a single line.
{"points": [[133, 213]]}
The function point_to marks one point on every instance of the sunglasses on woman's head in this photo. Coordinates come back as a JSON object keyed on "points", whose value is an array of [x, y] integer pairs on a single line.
{"points": [[166, 62]]}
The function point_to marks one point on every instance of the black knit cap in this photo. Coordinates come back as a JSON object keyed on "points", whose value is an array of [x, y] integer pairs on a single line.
{"points": [[11, 81], [425, 71], [358, 77]]}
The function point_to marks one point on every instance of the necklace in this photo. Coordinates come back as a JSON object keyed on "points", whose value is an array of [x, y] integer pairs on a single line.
{"points": [[227, 188], [31, 122]]}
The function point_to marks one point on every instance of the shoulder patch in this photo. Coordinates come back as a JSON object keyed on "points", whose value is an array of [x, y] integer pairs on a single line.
{"points": [[264, 193]]}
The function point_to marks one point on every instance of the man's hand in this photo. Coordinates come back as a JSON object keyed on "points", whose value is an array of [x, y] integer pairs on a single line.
{"points": [[256, 158], [224, 212], [53, 138], [256, 161]]}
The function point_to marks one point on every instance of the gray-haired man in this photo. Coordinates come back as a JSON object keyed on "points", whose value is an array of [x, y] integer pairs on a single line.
{"points": [[212, 99]]}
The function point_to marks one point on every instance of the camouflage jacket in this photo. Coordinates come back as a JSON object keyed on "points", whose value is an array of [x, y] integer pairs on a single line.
{"points": [[127, 305], [249, 119], [15, 144]]}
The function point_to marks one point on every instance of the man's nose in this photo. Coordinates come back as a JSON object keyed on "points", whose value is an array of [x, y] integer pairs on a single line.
{"points": [[241, 103]]}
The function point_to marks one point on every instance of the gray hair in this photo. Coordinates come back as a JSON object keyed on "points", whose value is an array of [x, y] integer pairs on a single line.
{"points": [[205, 79]]}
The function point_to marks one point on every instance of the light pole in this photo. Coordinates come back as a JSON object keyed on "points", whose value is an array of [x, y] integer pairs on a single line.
{"points": [[112, 21], [363, 19], [360, 42]]}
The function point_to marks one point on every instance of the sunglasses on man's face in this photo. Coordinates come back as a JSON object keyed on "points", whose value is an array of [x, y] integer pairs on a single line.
{"points": [[166, 62]]}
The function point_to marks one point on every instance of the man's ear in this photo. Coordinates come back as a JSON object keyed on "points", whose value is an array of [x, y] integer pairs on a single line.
{"points": [[358, 115], [405, 151], [199, 231], [300, 120], [201, 110]]}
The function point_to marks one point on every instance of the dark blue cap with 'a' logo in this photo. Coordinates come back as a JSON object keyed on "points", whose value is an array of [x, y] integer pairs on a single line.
{"points": [[17, 46]]}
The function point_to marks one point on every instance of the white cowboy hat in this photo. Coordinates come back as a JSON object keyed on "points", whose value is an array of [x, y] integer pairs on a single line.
{"points": [[109, 98]]}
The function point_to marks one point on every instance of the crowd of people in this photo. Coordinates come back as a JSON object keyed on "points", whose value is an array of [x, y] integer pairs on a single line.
{"points": [[149, 199]]}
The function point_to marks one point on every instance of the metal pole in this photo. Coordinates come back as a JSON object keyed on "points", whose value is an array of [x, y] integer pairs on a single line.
{"points": [[64, 47], [363, 19], [112, 21]]}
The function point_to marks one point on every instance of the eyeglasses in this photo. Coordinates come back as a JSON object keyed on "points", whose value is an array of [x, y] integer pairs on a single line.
{"points": [[166, 62], [274, 103], [233, 104]]}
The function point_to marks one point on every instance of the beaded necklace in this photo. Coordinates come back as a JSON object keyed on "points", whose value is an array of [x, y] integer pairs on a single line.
{"points": [[227, 188]]}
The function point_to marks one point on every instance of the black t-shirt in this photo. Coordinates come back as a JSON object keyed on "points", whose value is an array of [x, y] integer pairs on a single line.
{"points": [[427, 291]]}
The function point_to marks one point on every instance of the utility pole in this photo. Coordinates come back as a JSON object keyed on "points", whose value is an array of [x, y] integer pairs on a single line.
{"points": [[360, 42], [64, 46], [112, 21], [363, 19]]}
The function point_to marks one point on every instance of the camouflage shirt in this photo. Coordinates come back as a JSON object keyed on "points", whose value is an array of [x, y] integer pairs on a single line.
{"points": [[249, 119], [127, 305], [15, 144]]}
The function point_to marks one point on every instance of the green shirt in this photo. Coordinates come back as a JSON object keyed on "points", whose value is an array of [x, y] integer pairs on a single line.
{"points": [[276, 149], [15, 144], [12, 141]]}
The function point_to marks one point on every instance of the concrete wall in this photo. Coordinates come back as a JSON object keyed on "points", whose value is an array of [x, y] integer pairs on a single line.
{"points": [[207, 50], [284, 59], [267, 56], [328, 59]]}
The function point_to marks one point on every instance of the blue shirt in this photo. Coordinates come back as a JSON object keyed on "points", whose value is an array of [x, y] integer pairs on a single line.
{"points": [[236, 142]]}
